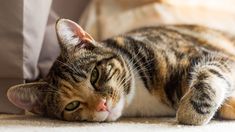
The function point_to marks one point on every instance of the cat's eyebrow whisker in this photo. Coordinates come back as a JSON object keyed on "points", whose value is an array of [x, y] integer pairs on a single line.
{"points": [[139, 59], [131, 61], [124, 81], [53, 87], [72, 68], [146, 65], [135, 69], [51, 91], [145, 69], [136, 54]]}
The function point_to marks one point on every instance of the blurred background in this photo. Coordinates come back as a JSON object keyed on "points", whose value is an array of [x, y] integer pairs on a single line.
{"points": [[27, 29]]}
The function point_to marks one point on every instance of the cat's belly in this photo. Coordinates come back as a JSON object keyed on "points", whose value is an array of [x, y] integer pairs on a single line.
{"points": [[145, 104]]}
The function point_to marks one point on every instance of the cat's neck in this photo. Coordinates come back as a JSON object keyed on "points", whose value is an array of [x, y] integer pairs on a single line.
{"points": [[141, 102]]}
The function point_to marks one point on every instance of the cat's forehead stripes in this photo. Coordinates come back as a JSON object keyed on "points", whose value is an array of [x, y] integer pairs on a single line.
{"points": [[69, 91]]}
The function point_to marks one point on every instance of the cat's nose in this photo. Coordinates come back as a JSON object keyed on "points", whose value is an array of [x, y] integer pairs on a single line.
{"points": [[102, 106]]}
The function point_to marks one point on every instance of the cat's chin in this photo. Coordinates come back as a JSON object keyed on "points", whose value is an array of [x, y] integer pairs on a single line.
{"points": [[101, 116], [113, 116]]}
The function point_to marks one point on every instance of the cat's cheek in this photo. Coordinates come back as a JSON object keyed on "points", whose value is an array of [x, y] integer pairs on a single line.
{"points": [[116, 111]]}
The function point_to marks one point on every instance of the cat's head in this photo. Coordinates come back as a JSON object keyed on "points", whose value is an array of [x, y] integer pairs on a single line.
{"points": [[86, 82]]}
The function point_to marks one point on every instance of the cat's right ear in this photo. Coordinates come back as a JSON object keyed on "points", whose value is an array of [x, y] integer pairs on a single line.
{"points": [[29, 96], [71, 34]]}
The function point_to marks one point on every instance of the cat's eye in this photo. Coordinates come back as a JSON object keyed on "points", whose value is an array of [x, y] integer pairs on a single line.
{"points": [[72, 106], [94, 75]]}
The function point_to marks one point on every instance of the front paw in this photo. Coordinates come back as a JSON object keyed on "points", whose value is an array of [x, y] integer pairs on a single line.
{"points": [[189, 114]]}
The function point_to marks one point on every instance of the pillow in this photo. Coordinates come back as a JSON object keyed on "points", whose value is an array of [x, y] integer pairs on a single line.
{"points": [[111, 20]]}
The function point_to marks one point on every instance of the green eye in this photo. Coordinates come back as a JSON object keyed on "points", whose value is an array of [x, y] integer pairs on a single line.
{"points": [[72, 106], [94, 75]]}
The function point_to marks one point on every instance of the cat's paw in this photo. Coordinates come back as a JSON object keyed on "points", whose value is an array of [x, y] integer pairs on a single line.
{"points": [[187, 116], [191, 113]]}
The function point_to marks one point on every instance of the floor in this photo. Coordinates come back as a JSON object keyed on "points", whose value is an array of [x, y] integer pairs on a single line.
{"points": [[22, 123]]}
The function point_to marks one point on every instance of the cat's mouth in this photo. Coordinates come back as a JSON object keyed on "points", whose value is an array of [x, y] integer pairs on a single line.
{"points": [[104, 115], [114, 112]]}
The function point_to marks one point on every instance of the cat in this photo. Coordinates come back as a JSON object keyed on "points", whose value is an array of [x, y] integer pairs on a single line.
{"points": [[186, 71]]}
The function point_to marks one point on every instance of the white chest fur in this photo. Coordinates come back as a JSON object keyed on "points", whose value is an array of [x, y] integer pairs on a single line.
{"points": [[145, 104]]}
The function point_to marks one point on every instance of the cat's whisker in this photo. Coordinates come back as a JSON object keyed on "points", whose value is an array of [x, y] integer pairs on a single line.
{"points": [[125, 80], [137, 71], [141, 64], [72, 68], [51, 91], [146, 64], [135, 56]]}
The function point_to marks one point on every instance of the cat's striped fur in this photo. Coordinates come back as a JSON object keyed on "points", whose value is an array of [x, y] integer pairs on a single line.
{"points": [[185, 70]]}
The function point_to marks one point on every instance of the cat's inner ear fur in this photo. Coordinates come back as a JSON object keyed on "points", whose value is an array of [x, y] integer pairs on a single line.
{"points": [[70, 34], [29, 96]]}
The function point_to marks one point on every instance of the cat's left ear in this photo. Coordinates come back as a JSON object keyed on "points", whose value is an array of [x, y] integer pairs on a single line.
{"points": [[70, 34], [29, 96]]}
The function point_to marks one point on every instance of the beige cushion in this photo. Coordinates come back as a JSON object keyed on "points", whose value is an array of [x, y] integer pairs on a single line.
{"points": [[116, 16]]}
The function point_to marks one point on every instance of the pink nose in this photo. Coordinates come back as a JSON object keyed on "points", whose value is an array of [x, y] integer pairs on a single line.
{"points": [[102, 106]]}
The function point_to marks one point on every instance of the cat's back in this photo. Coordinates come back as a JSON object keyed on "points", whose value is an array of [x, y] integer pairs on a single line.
{"points": [[182, 34]]}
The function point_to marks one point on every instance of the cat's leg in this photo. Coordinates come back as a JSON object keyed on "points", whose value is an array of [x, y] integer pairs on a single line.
{"points": [[210, 83], [227, 110]]}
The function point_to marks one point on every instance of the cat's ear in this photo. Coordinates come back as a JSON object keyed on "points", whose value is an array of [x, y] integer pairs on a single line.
{"points": [[70, 34], [29, 96]]}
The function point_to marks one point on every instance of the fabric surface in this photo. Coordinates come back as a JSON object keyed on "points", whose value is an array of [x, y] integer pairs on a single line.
{"points": [[35, 20], [28, 41], [22, 28], [11, 51], [107, 18], [30, 123]]}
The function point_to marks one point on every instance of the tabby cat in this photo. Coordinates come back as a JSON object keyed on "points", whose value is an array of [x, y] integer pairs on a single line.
{"points": [[182, 70]]}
